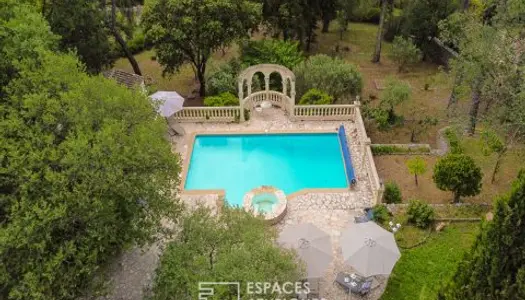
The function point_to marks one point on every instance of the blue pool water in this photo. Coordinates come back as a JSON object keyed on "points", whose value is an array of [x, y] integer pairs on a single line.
{"points": [[290, 162]]}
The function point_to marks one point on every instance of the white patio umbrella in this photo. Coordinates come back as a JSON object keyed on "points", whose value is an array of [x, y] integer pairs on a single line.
{"points": [[369, 249], [171, 102], [313, 246]]}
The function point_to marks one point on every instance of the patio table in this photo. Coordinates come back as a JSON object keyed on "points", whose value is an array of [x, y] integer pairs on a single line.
{"points": [[354, 283]]}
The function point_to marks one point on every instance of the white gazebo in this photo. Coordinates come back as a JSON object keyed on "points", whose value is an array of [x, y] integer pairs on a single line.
{"points": [[284, 99]]}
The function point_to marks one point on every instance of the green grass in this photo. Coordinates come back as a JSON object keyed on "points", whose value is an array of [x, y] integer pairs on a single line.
{"points": [[421, 271]]}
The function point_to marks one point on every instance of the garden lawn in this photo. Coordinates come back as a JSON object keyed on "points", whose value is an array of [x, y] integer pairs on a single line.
{"points": [[421, 271]]}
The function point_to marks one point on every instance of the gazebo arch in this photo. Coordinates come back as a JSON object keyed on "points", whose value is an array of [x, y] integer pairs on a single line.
{"points": [[277, 98]]}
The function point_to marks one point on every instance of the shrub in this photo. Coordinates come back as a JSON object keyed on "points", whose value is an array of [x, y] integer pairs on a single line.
{"points": [[459, 174], [381, 215], [392, 193], [420, 214], [394, 149], [279, 52], [315, 96], [453, 141], [331, 75], [404, 52], [223, 79], [224, 99]]}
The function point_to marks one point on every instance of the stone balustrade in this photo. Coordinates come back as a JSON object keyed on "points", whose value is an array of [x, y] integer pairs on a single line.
{"points": [[208, 114], [343, 112]]}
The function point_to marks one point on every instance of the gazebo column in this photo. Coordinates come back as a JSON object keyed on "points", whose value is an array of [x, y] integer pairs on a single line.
{"points": [[285, 89], [292, 99], [241, 100], [267, 86]]}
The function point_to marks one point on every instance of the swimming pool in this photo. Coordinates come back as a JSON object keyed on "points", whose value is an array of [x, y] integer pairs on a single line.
{"points": [[240, 162]]}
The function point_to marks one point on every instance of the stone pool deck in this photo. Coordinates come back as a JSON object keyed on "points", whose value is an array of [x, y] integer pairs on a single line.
{"points": [[132, 273], [274, 120]]}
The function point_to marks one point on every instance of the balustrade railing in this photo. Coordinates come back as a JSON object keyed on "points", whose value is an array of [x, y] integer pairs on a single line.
{"points": [[324, 112], [208, 114]]}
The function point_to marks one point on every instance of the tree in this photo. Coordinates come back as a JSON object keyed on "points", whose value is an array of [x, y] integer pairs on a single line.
{"points": [[395, 93], [420, 123], [120, 40], [493, 143], [328, 12], [379, 37], [278, 52], [80, 24], [344, 14], [334, 76], [416, 166], [86, 170], [404, 53], [495, 266], [459, 174], [200, 28], [233, 247], [421, 18], [295, 19]]}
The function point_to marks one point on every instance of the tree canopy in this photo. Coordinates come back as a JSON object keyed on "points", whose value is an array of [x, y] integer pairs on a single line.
{"points": [[458, 173], [188, 31], [231, 247], [85, 171], [337, 78], [495, 267]]}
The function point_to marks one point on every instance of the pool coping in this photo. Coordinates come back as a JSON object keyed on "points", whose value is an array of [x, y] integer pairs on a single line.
{"points": [[221, 192]]}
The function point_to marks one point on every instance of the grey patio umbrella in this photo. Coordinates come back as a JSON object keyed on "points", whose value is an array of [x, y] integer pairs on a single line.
{"points": [[313, 245], [171, 102], [369, 249]]}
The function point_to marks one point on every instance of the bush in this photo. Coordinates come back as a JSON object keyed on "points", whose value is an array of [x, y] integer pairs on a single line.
{"points": [[224, 99], [404, 53], [279, 52], [223, 79], [392, 193], [381, 215], [420, 214], [453, 141], [316, 97], [331, 75], [394, 149]]}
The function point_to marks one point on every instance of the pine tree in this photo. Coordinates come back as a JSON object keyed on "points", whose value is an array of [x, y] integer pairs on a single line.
{"points": [[495, 267]]}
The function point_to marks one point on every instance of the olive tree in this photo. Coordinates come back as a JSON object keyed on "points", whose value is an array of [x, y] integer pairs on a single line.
{"points": [[234, 246], [459, 174], [188, 31], [404, 53], [334, 76]]}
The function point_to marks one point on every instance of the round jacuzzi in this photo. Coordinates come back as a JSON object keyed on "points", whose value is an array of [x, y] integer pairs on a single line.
{"points": [[266, 201]]}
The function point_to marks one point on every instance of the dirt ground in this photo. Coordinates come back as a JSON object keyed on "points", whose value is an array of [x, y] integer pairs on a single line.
{"points": [[393, 168]]}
